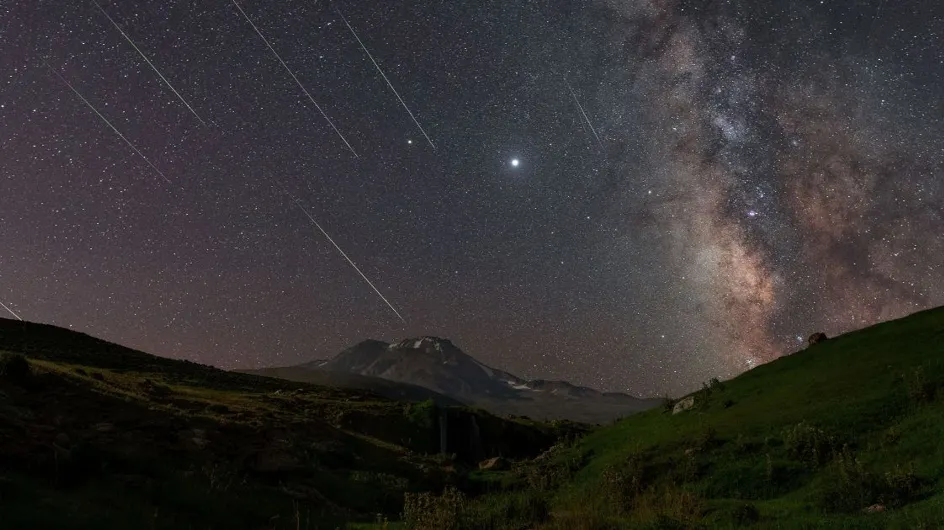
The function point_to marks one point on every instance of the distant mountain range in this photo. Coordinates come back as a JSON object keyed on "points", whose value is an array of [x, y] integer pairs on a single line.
{"points": [[425, 364]]}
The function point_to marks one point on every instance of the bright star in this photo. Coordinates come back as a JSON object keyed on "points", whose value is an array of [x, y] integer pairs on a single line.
{"points": [[409, 142], [515, 162]]}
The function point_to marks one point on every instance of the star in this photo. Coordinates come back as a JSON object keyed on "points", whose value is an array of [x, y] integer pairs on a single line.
{"points": [[515, 162]]}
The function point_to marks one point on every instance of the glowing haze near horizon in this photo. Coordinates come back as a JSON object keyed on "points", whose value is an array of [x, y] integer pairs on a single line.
{"points": [[724, 178]]}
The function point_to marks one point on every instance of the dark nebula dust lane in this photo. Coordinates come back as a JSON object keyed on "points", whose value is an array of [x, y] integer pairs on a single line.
{"points": [[635, 195]]}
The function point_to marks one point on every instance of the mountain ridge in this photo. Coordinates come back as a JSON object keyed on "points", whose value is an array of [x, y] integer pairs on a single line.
{"points": [[437, 364]]}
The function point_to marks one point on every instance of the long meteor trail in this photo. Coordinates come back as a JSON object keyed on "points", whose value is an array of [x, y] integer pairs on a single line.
{"points": [[389, 84], [349, 260], [148, 61], [291, 73], [104, 119], [585, 117], [10, 311]]}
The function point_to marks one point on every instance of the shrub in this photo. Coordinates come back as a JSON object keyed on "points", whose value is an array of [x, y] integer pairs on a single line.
{"points": [[920, 389], [674, 508], [705, 439], [622, 483], [809, 443], [686, 469], [422, 415], [553, 472], [900, 485], [425, 511], [850, 487], [14, 368], [519, 510]]}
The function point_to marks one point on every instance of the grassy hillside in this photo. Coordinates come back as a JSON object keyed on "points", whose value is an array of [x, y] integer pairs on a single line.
{"points": [[97, 436], [848, 433]]}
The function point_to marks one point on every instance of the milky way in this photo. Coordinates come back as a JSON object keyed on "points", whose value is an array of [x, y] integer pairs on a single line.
{"points": [[636, 195], [801, 189]]}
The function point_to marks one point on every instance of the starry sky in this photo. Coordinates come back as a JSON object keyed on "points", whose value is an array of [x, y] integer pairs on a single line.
{"points": [[635, 195]]}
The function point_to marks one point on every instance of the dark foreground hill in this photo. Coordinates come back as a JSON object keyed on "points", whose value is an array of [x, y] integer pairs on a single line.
{"points": [[440, 366], [94, 435]]}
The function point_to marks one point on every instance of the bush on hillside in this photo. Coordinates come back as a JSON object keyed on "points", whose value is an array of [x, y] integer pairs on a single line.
{"points": [[508, 511], [920, 389], [425, 511], [850, 487], [809, 443], [553, 472], [622, 483], [706, 439], [422, 415], [15, 368]]}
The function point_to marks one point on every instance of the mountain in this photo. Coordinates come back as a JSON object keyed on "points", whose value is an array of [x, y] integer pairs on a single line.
{"points": [[439, 365]]}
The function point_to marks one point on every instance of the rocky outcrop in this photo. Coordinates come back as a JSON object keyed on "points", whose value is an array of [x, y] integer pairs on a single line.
{"points": [[683, 404], [816, 338]]}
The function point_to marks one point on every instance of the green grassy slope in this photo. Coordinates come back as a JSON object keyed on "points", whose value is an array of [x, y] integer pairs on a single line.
{"points": [[809, 441], [97, 436]]}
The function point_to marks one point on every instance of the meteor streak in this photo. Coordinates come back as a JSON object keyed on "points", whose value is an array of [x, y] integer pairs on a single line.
{"points": [[104, 119], [11, 311], [389, 84], [349, 260], [135, 46], [585, 117], [291, 73]]}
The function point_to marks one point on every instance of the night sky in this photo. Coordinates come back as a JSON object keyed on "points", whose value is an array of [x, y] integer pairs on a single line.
{"points": [[635, 195]]}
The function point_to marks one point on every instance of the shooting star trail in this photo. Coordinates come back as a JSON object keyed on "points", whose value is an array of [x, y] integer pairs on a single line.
{"points": [[291, 73], [104, 119], [585, 117], [11, 311], [148, 61], [349, 260], [389, 84]]}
